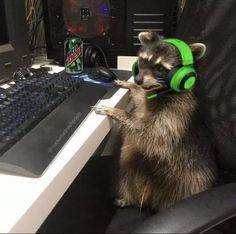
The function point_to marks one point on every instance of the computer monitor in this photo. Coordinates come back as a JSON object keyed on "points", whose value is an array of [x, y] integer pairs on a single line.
{"points": [[127, 19], [14, 43]]}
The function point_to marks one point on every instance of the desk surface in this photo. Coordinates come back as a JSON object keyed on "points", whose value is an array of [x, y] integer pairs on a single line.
{"points": [[26, 202]]}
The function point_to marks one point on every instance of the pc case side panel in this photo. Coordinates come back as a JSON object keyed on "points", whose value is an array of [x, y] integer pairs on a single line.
{"points": [[127, 17]]}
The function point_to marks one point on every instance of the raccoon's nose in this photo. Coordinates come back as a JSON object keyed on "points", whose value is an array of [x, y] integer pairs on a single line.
{"points": [[138, 80]]}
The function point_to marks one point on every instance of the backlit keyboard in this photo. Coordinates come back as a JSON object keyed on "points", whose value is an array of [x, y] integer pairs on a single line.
{"points": [[37, 116]]}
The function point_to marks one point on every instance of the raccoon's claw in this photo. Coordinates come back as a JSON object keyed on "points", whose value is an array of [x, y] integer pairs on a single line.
{"points": [[101, 110], [119, 83], [121, 202]]}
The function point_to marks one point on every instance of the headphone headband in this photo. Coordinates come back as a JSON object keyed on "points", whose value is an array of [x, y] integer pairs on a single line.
{"points": [[183, 48]]}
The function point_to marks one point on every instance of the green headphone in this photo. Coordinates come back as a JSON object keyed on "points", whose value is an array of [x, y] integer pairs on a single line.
{"points": [[182, 77]]}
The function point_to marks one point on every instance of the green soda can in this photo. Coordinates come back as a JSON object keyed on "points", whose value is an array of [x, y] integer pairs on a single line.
{"points": [[73, 55]]}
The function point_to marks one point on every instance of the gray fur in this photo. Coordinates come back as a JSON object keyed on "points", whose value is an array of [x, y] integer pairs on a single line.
{"points": [[166, 154]]}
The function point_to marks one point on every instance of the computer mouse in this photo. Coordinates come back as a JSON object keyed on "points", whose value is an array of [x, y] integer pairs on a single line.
{"points": [[103, 74]]}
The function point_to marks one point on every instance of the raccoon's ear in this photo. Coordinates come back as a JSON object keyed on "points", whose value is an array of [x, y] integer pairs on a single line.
{"points": [[147, 38], [198, 50]]}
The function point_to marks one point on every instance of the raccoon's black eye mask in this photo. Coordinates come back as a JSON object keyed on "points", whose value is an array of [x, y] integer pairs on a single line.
{"points": [[158, 70]]}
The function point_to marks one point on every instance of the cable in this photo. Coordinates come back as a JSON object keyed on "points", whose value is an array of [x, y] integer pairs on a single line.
{"points": [[34, 18]]}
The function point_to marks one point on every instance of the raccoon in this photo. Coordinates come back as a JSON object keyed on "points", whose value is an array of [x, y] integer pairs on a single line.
{"points": [[166, 154]]}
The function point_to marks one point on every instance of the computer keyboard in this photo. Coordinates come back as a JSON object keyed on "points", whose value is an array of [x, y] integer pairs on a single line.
{"points": [[37, 116]]}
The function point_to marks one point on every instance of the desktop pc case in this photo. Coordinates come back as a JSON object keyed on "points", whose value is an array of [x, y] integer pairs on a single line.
{"points": [[127, 19]]}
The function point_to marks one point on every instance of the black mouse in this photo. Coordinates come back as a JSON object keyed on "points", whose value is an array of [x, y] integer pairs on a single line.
{"points": [[103, 74]]}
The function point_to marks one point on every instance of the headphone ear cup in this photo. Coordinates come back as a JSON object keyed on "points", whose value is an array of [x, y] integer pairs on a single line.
{"points": [[91, 56], [135, 69], [182, 78]]}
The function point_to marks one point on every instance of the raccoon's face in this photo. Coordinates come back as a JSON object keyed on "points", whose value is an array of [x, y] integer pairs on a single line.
{"points": [[156, 58]]}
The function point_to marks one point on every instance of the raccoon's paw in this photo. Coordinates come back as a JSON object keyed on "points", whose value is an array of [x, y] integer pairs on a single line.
{"points": [[101, 110], [121, 202], [123, 84], [119, 83]]}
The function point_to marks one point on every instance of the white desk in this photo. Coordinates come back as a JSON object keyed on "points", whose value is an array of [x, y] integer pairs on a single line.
{"points": [[26, 202]]}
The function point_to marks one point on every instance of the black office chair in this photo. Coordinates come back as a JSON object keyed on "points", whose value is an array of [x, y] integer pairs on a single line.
{"points": [[213, 23]]}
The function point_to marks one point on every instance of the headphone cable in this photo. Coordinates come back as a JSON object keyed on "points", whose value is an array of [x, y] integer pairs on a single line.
{"points": [[157, 94]]}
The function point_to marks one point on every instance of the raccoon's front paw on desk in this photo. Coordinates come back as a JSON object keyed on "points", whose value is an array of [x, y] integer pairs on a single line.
{"points": [[101, 110], [123, 84], [114, 113]]}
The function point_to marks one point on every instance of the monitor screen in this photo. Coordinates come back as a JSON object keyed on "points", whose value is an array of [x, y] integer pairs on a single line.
{"points": [[14, 43]]}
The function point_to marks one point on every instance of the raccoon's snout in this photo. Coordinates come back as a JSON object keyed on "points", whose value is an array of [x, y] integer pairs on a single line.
{"points": [[148, 82], [138, 80]]}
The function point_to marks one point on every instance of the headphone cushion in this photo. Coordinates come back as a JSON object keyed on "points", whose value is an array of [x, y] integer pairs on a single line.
{"points": [[94, 57], [89, 58], [135, 69], [86, 56]]}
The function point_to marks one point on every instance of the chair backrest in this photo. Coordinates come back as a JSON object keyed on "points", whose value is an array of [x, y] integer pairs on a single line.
{"points": [[213, 22]]}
